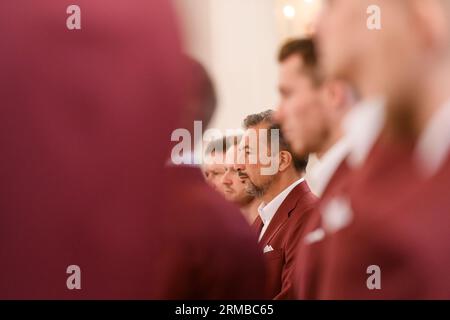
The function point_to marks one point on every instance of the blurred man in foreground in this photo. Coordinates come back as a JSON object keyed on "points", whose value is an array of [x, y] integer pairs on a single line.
{"points": [[221, 156], [85, 119], [311, 113], [87, 209], [312, 109], [392, 239]]}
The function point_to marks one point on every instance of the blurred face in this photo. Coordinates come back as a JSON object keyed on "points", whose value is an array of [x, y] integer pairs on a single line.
{"points": [[233, 186], [301, 112], [341, 34], [381, 61], [213, 170], [252, 172]]}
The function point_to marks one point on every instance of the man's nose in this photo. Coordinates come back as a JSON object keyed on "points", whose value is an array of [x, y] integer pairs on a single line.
{"points": [[226, 179], [239, 166]]}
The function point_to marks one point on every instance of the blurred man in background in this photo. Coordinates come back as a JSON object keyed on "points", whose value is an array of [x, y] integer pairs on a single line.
{"points": [[312, 108], [287, 201], [86, 119], [234, 187], [214, 166], [391, 241], [220, 174], [311, 113]]}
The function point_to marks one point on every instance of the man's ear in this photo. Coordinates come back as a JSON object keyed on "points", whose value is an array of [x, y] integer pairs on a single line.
{"points": [[285, 161], [339, 97], [329, 94], [335, 92]]}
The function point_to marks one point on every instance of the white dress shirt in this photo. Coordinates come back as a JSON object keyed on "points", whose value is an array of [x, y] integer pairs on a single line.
{"points": [[434, 144], [362, 128], [267, 211]]}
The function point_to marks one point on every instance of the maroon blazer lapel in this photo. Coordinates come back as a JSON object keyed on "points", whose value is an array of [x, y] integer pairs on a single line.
{"points": [[293, 199]]}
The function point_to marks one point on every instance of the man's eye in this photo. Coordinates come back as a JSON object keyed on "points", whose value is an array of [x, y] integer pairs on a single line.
{"points": [[285, 93]]}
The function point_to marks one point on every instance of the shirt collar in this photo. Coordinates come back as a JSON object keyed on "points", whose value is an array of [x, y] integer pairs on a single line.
{"points": [[434, 144], [327, 165], [362, 128], [267, 211]]}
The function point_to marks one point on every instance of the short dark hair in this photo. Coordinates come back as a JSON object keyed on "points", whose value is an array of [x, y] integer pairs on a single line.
{"points": [[306, 50], [266, 117]]}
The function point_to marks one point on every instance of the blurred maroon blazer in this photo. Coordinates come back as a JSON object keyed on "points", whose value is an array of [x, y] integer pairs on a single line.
{"points": [[400, 224], [85, 123], [309, 259], [283, 234]]}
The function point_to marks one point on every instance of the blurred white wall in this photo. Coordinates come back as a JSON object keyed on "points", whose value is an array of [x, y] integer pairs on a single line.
{"points": [[238, 41], [244, 48], [195, 24]]}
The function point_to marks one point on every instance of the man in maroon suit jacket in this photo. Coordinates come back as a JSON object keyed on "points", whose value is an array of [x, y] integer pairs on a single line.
{"points": [[211, 252], [311, 113], [353, 149], [390, 238], [86, 209], [287, 200]]}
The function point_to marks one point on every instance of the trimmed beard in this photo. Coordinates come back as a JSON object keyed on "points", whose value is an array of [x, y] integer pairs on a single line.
{"points": [[257, 191]]}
